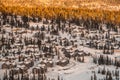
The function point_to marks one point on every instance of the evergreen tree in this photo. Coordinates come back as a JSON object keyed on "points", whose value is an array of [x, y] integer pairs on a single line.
{"points": [[95, 77]]}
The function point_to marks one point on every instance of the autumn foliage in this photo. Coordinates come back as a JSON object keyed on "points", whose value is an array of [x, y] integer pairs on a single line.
{"points": [[63, 13]]}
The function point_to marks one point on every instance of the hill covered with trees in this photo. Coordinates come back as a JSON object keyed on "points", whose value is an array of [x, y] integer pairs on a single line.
{"points": [[105, 10]]}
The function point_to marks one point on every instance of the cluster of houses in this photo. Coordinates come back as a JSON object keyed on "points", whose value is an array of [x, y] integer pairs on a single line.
{"points": [[36, 46]]}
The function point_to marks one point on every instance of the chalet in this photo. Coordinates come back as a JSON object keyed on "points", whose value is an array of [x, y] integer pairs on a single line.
{"points": [[63, 62], [49, 64], [22, 68], [8, 65]]}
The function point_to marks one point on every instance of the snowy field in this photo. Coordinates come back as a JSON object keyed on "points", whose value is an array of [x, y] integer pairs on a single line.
{"points": [[75, 70]]}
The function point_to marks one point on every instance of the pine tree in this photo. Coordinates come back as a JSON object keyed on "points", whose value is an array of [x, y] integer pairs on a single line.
{"points": [[110, 77], [98, 70], [95, 77], [103, 71], [91, 77], [58, 77]]}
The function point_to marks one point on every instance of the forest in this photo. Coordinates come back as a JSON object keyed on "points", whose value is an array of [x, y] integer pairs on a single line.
{"points": [[63, 13]]}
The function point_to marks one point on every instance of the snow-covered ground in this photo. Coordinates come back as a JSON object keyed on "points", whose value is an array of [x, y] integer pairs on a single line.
{"points": [[74, 70]]}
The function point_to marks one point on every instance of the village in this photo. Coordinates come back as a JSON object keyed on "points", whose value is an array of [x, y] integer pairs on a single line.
{"points": [[40, 49]]}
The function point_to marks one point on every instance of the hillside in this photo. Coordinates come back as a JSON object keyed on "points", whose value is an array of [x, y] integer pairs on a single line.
{"points": [[102, 4], [107, 10]]}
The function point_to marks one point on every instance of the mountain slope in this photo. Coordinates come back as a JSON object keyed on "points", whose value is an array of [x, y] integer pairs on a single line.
{"points": [[103, 10], [103, 4]]}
